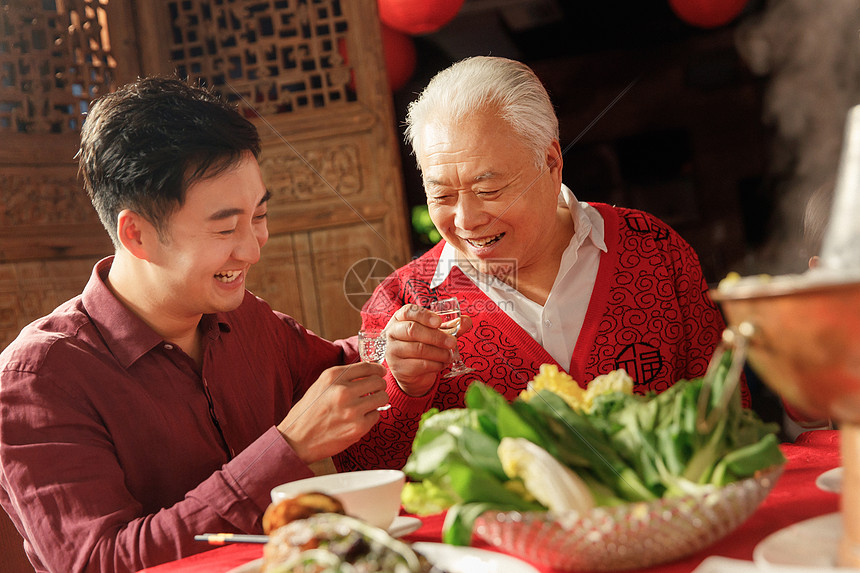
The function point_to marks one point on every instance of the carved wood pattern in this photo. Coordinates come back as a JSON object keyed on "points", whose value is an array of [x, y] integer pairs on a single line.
{"points": [[269, 56], [53, 62], [329, 154], [55, 57], [316, 174], [34, 198], [32, 289], [335, 253]]}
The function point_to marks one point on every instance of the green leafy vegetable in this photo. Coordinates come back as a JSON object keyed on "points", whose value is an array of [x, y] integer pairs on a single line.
{"points": [[624, 447]]}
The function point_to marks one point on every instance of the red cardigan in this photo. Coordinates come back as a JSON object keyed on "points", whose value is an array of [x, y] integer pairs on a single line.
{"points": [[649, 313]]}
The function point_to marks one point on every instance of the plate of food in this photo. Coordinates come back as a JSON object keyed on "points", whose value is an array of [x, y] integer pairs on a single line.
{"points": [[331, 540], [595, 478], [312, 529]]}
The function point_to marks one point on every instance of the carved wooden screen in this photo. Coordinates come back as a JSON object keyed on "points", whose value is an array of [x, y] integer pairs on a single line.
{"points": [[271, 57], [310, 73], [55, 57], [55, 60]]}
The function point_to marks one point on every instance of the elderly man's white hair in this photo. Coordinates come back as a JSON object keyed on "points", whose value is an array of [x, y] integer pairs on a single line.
{"points": [[484, 82]]}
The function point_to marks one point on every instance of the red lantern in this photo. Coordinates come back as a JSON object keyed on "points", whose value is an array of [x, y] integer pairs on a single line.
{"points": [[417, 16], [400, 57], [707, 13]]}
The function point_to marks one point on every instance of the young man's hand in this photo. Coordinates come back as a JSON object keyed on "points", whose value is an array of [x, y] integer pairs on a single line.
{"points": [[336, 411]]}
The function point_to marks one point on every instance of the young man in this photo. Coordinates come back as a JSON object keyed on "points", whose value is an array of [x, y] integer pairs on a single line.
{"points": [[166, 400], [545, 279]]}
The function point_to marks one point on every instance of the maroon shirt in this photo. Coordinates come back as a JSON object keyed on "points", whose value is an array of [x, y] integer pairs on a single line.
{"points": [[112, 457]]}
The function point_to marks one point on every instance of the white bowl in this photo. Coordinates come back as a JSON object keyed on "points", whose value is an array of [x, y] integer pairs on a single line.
{"points": [[370, 495]]}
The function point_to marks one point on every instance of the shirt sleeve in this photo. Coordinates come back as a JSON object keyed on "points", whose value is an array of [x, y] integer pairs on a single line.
{"points": [[61, 468], [325, 353]]}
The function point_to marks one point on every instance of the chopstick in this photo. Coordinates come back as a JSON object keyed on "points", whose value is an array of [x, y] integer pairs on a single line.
{"points": [[222, 538]]}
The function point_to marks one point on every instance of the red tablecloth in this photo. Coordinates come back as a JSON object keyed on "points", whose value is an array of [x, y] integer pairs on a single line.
{"points": [[794, 498]]}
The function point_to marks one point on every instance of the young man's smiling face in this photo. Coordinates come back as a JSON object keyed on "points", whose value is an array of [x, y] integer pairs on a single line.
{"points": [[484, 192], [212, 240]]}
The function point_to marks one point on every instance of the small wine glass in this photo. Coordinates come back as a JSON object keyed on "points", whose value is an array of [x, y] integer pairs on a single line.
{"points": [[448, 310], [371, 345], [371, 348]]}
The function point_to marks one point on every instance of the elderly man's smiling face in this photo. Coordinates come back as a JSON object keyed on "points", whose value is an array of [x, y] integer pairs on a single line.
{"points": [[484, 192]]}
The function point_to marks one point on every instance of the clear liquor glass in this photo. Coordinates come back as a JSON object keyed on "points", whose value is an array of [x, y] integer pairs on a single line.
{"points": [[371, 345], [371, 348], [448, 310]]}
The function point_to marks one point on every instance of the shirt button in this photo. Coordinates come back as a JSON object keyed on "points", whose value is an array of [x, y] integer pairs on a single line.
{"points": [[547, 323], [168, 347]]}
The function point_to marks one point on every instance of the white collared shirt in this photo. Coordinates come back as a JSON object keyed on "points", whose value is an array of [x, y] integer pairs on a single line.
{"points": [[556, 324]]}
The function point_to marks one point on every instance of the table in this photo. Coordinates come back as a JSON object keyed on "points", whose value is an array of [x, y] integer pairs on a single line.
{"points": [[794, 498]]}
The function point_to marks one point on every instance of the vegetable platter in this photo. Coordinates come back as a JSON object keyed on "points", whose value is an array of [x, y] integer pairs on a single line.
{"points": [[597, 478]]}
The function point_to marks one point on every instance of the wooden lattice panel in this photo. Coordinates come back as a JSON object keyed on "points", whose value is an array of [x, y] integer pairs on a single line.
{"points": [[55, 58], [269, 56]]}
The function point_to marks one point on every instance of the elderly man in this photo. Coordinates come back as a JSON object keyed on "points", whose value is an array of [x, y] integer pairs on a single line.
{"points": [[545, 278]]}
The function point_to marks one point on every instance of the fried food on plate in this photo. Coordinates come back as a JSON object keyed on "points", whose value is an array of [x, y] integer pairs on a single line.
{"points": [[334, 542], [300, 507]]}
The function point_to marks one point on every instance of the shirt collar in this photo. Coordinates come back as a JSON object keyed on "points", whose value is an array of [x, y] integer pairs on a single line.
{"points": [[126, 335], [587, 222]]}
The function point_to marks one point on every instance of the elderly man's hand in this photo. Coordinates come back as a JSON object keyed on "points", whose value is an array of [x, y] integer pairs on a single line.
{"points": [[417, 350]]}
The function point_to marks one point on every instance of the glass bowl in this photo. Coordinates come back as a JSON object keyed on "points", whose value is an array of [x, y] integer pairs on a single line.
{"points": [[628, 536]]}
